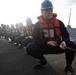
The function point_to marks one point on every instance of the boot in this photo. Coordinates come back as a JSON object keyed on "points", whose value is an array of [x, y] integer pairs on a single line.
{"points": [[19, 47], [69, 70], [41, 63], [16, 44]]}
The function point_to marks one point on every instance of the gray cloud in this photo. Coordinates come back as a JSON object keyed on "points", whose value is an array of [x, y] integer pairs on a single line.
{"points": [[71, 2]]}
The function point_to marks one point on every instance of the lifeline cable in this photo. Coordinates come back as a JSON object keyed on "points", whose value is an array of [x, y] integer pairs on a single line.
{"points": [[69, 48]]}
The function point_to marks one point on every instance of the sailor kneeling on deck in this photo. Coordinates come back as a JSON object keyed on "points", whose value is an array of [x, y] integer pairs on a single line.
{"points": [[50, 37]]}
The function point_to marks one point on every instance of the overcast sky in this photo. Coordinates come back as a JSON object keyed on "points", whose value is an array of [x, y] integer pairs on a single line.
{"points": [[15, 11]]}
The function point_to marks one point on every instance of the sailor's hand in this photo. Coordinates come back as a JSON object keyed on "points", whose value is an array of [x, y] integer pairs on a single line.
{"points": [[30, 37], [62, 45], [52, 43]]}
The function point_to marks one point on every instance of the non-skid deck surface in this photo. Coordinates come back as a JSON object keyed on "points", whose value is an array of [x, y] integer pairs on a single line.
{"points": [[14, 61]]}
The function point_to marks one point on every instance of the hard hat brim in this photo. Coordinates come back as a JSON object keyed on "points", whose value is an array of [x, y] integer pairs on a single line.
{"points": [[47, 8]]}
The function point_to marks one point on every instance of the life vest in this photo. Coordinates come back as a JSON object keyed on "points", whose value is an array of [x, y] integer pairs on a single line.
{"points": [[29, 30], [50, 31], [21, 30]]}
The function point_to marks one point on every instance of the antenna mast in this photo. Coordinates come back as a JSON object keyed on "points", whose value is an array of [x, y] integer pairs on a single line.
{"points": [[69, 17]]}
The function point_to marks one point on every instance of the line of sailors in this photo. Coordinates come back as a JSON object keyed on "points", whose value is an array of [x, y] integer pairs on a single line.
{"points": [[20, 35]]}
